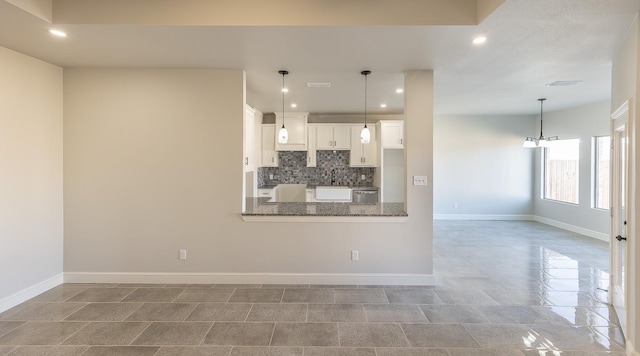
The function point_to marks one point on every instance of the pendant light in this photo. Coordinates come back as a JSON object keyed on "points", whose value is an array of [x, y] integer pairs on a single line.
{"points": [[365, 134], [532, 142], [283, 135]]}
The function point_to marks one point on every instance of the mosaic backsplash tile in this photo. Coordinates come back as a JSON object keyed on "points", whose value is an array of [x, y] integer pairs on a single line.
{"points": [[293, 170]]}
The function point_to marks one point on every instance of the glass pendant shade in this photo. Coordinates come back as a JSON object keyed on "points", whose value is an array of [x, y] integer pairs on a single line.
{"points": [[283, 135], [543, 143], [365, 135], [529, 143]]}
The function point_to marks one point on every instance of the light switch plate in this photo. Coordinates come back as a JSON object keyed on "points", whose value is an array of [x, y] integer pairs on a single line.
{"points": [[419, 180]]}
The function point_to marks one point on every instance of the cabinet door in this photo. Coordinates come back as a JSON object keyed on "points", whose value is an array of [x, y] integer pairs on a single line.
{"points": [[269, 154], [324, 137], [342, 137], [370, 150], [363, 154], [355, 158], [392, 134], [248, 138], [311, 152]]}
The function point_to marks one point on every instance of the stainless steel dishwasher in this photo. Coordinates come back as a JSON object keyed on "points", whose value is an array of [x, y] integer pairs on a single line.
{"points": [[364, 196]]}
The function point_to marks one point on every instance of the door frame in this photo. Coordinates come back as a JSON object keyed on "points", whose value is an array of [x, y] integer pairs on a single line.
{"points": [[619, 119]]}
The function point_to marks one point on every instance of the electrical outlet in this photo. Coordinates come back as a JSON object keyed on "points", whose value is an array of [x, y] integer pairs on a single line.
{"points": [[363, 177], [271, 176], [183, 254], [354, 255], [419, 180]]}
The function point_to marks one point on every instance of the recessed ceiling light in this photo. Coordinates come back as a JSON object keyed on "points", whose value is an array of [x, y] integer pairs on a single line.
{"points": [[57, 33], [294, 105], [564, 83], [480, 40], [383, 105], [285, 90], [399, 91], [318, 85]]}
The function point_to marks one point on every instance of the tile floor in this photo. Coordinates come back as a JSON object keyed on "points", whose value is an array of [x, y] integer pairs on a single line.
{"points": [[502, 288]]}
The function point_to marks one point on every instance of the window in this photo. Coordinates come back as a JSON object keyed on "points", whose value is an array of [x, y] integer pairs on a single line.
{"points": [[561, 167], [601, 159]]}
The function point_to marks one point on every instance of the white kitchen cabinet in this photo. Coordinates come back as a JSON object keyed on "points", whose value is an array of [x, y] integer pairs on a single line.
{"points": [[296, 125], [267, 193], [269, 154], [248, 139], [363, 154], [391, 134], [311, 152], [311, 195], [333, 137]]}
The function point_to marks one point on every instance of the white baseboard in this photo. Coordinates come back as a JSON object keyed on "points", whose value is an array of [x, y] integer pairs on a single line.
{"points": [[573, 228], [30, 292], [481, 217], [251, 278]]}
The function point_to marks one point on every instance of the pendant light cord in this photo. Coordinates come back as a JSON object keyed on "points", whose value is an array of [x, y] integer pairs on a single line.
{"points": [[365, 73], [541, 103], [365, 100], [283, 74]]}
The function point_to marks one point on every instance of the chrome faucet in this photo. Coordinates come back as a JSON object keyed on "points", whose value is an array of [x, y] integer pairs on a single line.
{"points": [[333, 176]]}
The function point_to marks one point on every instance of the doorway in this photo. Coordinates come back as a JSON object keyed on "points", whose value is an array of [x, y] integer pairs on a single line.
{"points": [[619, 189]]}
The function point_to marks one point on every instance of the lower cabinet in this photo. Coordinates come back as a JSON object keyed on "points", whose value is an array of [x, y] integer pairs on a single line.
{"points": [[267, 193], [311, 195]]}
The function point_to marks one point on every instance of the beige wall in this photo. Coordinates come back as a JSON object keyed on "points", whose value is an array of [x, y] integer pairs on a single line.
{"points": [[488, 146], [31, 179], [625, 87], [153, 164], [583, 123]]}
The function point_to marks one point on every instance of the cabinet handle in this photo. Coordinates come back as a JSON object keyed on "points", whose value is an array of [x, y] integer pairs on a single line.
{"points": [[272, 159], [246, 161], [401, 141]]}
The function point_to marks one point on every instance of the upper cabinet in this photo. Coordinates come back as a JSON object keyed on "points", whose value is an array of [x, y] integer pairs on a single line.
{"points": [[363, 154], [333, 137], [296, 125], [269, 154], [391, 134]]}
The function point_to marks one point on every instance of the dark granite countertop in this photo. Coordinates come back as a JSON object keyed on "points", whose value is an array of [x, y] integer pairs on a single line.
{"points": [[262, 207]]}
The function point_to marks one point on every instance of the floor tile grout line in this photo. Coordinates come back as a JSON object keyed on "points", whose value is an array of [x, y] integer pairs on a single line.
{"points": [[249, 312], [193, 308], [207, 333], [133, 312], [273, 331], [142, 332], [72, 334]]}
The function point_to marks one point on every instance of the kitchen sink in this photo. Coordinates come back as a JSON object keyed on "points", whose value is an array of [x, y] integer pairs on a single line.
{"points": [[332, 193]]}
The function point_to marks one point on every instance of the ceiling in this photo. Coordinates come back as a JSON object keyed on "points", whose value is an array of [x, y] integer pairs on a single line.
{"points": [[530, 43]]}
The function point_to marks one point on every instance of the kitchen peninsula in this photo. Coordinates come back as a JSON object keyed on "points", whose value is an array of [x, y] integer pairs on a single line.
{"points": [[261, 207]]}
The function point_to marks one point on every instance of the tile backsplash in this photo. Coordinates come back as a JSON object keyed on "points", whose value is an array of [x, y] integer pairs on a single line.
{"points": [[293, 170]]}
